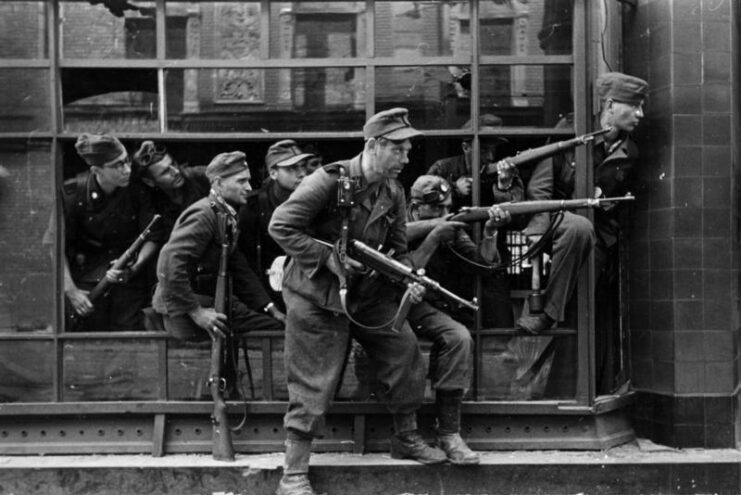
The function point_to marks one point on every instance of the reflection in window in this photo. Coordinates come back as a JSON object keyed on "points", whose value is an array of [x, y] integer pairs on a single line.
{"points": [[110, 370], [26, 203], [110, 100], [24, 100], [274, 100], [317, 29], [22, 30], [431, 94], [26, 371], [530, 95], [426, 29], [94, 31]]}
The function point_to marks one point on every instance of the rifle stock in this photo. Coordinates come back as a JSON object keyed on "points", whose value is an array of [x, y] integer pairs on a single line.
{"points": [[222, 448], [546, 151], [481, 213], [120, 263]]}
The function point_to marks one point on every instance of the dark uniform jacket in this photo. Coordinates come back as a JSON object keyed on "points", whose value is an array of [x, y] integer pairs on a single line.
{"points": [[195, 187], [312, 211], [100, 227], [554, 178], [188, 264], [255, 243]]}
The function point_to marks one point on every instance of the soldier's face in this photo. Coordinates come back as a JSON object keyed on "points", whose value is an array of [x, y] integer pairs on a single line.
{"points": [[116, 173], [624, 116], [391, 157], [435, 210], [234, 189], [165, 175], [289, 177]]}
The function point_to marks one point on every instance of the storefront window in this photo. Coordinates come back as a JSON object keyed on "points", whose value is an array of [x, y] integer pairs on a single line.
{"points": [[23, 30], [26, 204], [266, 100], [24, 100], [26, 371], [121, 31]]}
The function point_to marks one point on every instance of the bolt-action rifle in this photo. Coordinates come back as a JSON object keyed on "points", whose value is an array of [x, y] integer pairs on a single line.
{"points": [[222, 448], [104, 285], [545, 151], [480, 213]]}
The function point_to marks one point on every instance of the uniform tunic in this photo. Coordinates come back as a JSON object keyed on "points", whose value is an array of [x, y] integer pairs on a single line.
{"points": [[317, 330], [187, 268], [99, 227]]}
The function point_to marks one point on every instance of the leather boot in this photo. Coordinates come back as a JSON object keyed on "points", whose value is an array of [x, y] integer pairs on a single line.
{"points": [[449, 425], [295, 479], [407, 443], [534, 324]]}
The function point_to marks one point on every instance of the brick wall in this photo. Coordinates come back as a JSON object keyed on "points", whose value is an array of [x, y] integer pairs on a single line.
{"points": [[684, 237]]}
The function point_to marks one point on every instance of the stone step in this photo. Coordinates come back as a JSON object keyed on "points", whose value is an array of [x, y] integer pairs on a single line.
{"points": [[638, 468]]}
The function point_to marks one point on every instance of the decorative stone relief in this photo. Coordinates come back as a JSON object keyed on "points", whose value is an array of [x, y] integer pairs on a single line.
{"points": [[239, 39]]}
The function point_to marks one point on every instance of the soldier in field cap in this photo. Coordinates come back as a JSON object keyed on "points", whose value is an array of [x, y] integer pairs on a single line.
{"points": [[287, 166], [188, 264], [103, 214], [613, 155], [323, 288]]}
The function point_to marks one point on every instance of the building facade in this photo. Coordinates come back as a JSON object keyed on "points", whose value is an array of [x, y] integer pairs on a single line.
{"points": [[204, 77]]}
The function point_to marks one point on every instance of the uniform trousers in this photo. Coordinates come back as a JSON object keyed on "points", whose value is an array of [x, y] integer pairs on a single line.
{"points": [[573, 240], [316, 347], [451, 358]]}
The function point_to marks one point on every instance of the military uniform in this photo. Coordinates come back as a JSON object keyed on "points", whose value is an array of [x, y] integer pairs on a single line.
{"points": [[187, 269], [99, 227], [317, 331], [195, 187], [258, 247]]}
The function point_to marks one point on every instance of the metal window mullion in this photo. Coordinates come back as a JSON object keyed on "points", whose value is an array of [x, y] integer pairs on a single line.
{"points": [[161, 51], [52, 17], [585, 386], [370, 54], [476, 190]]}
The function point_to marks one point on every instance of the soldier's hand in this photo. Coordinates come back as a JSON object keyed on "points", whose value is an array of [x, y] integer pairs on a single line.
{"points": [[79, 301], [211, 321], [277, 314], [497, 218], [118, 276], [506, 172], [416, 292], [463, 186], [445, 231]]}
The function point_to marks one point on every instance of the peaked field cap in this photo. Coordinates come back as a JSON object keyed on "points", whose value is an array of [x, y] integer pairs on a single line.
{"points": [[284, 154], [430, 189], [622, 87], [226, 164], [390, 124], [98, 149]]}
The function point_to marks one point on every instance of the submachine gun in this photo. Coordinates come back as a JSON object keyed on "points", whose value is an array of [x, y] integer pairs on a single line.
{"points": [[545, 151], [222, 448]]}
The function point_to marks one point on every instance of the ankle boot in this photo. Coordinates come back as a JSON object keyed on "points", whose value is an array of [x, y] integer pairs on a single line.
{"points": [[295, 479], [449, 424], [407, 443]]}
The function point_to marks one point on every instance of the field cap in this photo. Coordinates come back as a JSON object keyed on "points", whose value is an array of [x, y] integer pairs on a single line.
{"points": [[390, 124], [99, 149], [226, 164], [622, 87], [284, 154]]}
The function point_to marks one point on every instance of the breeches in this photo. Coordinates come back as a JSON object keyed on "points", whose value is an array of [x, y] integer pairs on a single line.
{"points": [[316, 346]]}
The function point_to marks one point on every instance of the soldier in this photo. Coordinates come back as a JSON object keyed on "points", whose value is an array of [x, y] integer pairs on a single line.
{"points": [[329, 300], [173, 186], [187, 265], [434, 319], [614, 153], [103, 214], [500, 181], [287, 166]]}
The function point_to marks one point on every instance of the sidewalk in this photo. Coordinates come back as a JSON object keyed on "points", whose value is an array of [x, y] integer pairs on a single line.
{"points": [[639, 468]]}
